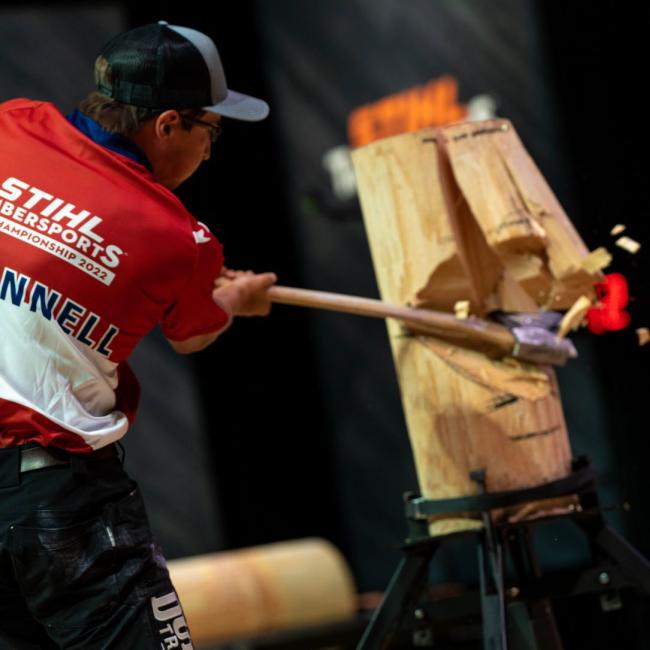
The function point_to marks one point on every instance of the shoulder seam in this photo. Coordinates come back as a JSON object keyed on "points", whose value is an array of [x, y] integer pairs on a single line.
{"points": [[32, 103]]}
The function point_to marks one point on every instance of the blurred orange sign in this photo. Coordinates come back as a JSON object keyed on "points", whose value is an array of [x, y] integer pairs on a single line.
{"points": [[433, 104]]}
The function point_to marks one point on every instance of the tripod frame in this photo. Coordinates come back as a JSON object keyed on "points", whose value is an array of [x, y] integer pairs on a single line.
{"points": [[616, 564]]}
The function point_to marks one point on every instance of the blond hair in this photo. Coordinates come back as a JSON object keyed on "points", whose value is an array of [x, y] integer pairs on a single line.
{"points": [[117, 117]]}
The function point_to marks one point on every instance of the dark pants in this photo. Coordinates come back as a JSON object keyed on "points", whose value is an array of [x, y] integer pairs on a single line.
{"points": [[79, 567]]}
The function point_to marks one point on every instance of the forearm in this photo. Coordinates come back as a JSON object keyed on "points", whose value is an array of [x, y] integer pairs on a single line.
{"points": [[243, 294], [202, 341]]}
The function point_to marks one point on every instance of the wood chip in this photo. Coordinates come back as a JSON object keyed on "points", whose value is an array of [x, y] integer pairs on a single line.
{"points": [[617, 229], [628, 244], [461, 308], [596, 260], [574, 317], [644, 335]]}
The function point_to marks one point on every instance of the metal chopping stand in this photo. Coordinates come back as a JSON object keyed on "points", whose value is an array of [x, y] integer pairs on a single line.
{"points": [[524, 603]]}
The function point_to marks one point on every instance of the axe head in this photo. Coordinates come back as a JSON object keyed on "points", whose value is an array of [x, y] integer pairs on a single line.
{"points": [[538, 345], [535, 335]]}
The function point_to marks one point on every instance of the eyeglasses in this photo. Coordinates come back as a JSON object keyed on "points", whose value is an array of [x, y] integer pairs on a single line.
{"points": [[214, 128]]}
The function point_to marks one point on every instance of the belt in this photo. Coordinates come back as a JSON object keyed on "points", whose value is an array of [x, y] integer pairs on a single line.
{"points": [[37, 457]]}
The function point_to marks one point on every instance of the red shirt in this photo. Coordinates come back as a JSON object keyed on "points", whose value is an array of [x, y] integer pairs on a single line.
{"points": [[93, 250]]}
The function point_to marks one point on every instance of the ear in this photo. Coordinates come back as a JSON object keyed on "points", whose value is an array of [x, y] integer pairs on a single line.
{"points": [[166, 124]]}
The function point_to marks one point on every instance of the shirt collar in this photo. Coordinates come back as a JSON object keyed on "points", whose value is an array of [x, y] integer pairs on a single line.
{"points": [[113, 141]]}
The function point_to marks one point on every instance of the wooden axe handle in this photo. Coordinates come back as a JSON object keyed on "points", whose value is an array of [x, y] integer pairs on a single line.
{"points": [[475, 333]]}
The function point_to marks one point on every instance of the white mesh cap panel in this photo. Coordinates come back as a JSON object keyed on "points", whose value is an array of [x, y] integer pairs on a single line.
{"points": [[226, 102]]}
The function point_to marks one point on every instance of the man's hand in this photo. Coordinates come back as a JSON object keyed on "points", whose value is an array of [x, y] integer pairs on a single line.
{"points": [[244, 293], [240, 293]]}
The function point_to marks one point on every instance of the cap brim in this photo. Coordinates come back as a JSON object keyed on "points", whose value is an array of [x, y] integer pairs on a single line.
{"points": [[240, 107]]}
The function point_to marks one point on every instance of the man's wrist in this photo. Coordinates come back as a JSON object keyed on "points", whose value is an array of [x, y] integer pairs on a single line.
{"points": [[229, 298]]}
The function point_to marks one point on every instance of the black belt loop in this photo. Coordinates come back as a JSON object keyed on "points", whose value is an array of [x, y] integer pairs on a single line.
{"points": [[122, 455], [9, 467], [78, 466]]}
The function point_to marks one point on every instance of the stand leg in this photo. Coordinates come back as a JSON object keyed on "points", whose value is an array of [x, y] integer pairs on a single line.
{"points": [[492, 598], [544, 625], [490, 562], [633, 565], [521, 635], [539, 613], [406, 584], [605, 540]]}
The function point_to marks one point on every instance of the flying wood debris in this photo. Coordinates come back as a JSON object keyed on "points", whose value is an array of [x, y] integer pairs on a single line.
{"points": [[644, 335], [628, 244], [461, 309], [596, 260], [617, 229], [574, 317]]}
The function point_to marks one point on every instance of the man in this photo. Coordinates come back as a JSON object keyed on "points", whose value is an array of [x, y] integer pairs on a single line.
{"points": [[95, 250]]}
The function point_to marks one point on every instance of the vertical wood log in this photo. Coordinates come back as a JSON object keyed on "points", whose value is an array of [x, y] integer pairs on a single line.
{"points": [[459, 412]]}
